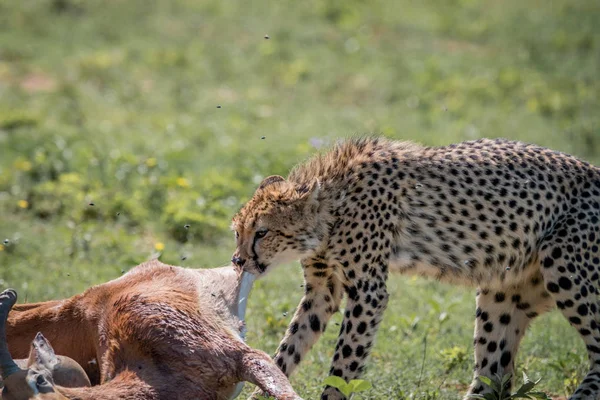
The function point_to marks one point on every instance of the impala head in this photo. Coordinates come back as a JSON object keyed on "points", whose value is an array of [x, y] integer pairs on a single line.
{"points": [[279, 224], [36, 380]]}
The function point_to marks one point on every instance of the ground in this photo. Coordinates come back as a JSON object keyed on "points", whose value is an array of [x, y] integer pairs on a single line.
{"points": [[116, 104]]}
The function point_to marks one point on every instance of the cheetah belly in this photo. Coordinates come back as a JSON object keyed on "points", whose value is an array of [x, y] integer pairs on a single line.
{"points": [[403, 261]]}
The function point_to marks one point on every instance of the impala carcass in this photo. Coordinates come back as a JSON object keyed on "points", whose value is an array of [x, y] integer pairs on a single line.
{"points": [[157, 332]]}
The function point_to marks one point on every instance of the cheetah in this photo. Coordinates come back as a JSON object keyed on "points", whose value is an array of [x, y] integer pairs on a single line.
{"points": [[517, 221]]}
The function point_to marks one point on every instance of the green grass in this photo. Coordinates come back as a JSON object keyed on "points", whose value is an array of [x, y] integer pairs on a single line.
{"points": [[115, 103]]}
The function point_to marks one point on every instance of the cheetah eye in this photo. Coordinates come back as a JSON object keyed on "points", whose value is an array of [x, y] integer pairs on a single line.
{"points": [[261, 233]]}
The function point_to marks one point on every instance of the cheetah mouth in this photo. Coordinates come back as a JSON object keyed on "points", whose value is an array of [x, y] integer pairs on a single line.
{"points": [[257, 267]]}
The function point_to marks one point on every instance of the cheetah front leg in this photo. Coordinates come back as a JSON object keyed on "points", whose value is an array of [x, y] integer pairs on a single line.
{"points": [[323, 292], [367, 301]]}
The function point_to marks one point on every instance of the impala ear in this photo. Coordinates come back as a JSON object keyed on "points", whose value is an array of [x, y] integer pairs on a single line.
{"points": [[42, 353], [269, 180]]}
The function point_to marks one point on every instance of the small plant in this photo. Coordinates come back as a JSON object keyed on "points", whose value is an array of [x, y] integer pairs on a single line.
{"points": [[572, 367], [453, 357], [348, 388], [501, 392]]}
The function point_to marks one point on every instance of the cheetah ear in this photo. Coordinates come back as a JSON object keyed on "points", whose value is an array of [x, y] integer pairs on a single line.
{"points": [[309, 190], [309, 196], [269, 180], [315, 191]]}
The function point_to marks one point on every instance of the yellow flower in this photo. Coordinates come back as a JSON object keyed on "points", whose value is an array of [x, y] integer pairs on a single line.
{"points": [[159, 246], [23, 165], [70, 177], [184, 183], [151, 162], [532, 104], [23, 203], [1, 247]]}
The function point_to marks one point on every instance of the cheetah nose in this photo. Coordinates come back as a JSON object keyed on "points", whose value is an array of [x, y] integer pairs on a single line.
{"points": [[238, 261]]}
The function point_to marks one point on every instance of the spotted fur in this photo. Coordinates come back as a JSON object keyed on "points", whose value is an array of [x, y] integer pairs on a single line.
{"points": [[517, 221]]}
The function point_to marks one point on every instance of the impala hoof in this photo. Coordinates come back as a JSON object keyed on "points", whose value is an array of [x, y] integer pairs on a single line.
{"points": [[8, 298]]}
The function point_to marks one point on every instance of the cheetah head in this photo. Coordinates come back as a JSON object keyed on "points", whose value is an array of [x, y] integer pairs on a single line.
{"points": [[281, 223]]}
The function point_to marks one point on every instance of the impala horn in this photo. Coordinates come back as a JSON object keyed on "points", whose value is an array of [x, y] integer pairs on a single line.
{"points": [[8, 298]]}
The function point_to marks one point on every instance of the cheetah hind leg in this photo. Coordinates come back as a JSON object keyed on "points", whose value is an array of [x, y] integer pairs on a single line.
{"points": [[570, 272], [502, 317]]}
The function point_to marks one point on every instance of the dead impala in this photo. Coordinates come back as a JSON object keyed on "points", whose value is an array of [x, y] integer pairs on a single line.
{"points": [[157, 332]]}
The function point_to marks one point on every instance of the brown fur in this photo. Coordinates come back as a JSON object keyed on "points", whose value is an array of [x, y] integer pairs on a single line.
{"points": [[158, 332]]}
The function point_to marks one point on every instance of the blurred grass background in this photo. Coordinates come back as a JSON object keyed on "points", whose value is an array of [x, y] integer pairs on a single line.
{"points": [[123, 122]]}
